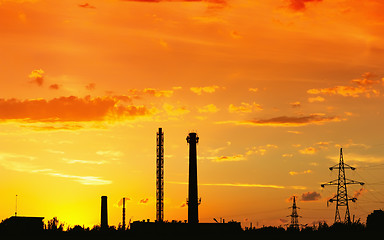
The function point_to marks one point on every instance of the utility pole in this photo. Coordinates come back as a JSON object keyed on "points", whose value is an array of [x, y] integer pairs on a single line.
{"points": [[16, 207], [341, 196], [294, 216]]}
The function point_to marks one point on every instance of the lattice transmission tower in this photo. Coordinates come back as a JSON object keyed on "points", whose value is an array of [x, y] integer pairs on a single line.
{"points": [[294, 216], [160, 175], [341, 196]]}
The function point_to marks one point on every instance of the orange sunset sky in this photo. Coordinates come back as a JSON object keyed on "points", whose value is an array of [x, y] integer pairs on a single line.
{"points": [[273, 88]]}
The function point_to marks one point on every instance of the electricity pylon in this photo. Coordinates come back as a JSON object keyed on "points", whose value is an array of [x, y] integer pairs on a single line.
{"points": [[341, 196], [294, 216]]}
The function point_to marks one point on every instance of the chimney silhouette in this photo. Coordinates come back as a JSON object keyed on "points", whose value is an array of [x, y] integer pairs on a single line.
{"points": [[104, 213], [123, 213], [193, 204]]}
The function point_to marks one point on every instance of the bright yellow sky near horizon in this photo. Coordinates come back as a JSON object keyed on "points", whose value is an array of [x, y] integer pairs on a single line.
{"points": [[273, 88]]}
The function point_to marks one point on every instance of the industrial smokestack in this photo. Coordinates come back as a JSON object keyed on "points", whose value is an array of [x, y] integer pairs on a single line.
{"points": [[123, 213], [193, 204], [104, 213]]}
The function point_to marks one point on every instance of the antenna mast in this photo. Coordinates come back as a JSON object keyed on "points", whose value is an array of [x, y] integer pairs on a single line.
{"points": [[16, 207]]}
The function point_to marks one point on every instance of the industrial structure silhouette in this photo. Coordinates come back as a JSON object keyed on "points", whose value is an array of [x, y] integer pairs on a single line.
{"points": [[341, 196], [193, 226]]}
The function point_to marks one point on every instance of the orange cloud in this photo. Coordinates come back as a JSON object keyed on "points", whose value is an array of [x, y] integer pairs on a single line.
{"points": [[54, 86], [293, 173], [295, 104], [345, 91], [300, 5], [86, 5], [37, 76], [153, 92], [364, 88], [308, 150], [90, 86], [235, 158], [201, 90], [175, 111], [158, 93], [310, 196], [316, 99], [223, 2], [69, 109], [210, 108], [244, 108], [285, 121], [248, 185]]}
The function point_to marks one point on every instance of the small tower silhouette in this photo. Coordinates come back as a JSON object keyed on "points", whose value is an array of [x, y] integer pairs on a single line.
{"points": [[294, 216], [341, 196]]}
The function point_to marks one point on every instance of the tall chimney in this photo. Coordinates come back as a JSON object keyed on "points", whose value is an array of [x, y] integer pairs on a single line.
{"points": [[123, 213], [193, 211], [104, 213]]}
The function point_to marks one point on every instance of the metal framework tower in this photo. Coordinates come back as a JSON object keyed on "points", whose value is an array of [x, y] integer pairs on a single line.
{"points": [[160, 176], [192, 201], [341, 196], [294, 216]]}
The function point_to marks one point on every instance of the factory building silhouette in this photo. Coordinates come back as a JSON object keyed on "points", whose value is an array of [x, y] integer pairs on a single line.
{"points": [[193, 225]]}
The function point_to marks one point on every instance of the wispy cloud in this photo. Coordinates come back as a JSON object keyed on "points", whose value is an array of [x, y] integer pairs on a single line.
{"points": [[86, 5], [175, 111], [234, 158], [86, 180], [210, 108], [259, 150], [207, 89], [284, 121], [152, 92], [363, 87], [16, 162], [293, 173], [244, 108], [92, 162], [247, 185], [308, 151]]}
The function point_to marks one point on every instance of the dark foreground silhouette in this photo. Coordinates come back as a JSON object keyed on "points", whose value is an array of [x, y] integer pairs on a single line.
{"points": [[53, 229]]}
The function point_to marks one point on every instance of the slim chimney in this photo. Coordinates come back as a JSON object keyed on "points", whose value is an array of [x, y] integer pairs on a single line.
{"points": [[193, 211], [123, 213], [104, 213]]}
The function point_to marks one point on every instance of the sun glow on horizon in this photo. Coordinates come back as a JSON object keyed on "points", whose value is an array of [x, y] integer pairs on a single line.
{"points": [[273, 88]]}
